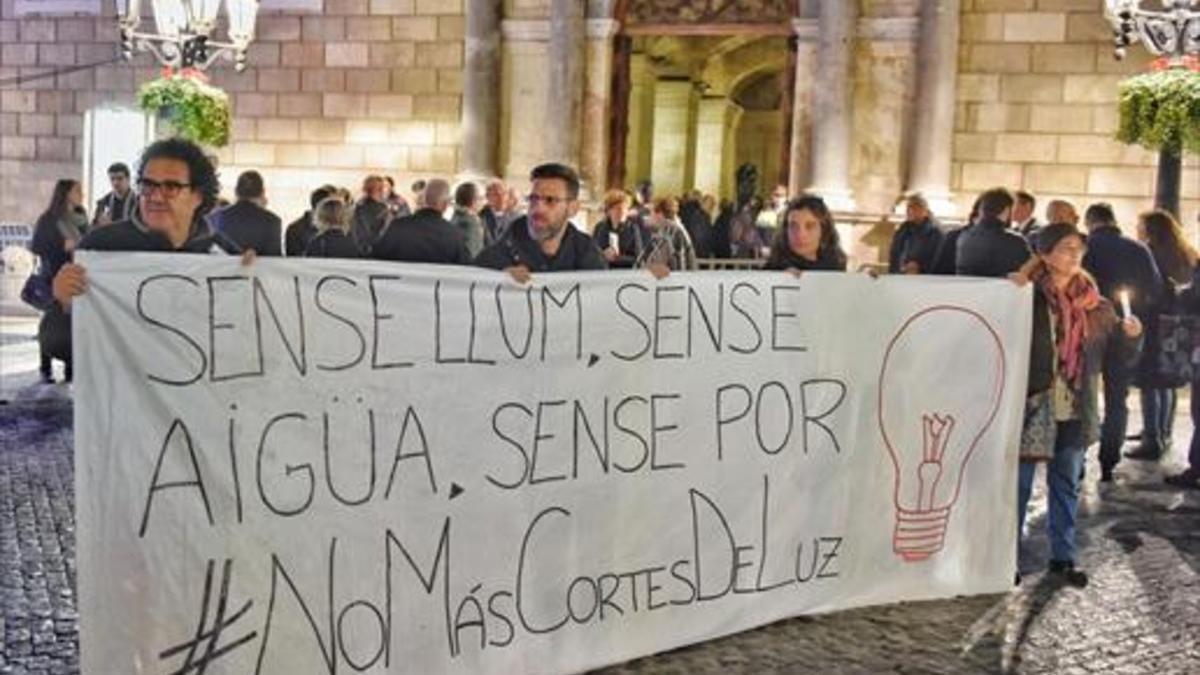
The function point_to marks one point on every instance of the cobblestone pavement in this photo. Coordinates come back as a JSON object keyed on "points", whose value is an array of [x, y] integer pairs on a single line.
{"points": [[1139, 540], [39, 626]]}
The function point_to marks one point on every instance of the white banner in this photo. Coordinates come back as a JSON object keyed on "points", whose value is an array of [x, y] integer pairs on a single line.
{"points": [[339, 466]]}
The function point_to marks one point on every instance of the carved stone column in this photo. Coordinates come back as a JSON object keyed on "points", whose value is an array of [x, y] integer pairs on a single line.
{"points": [[933, 124], [597, 107], [481, 90], [564, 103], [832, 110]]}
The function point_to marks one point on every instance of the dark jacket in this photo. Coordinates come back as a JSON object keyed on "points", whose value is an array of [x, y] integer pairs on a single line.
{"points": [[1175, 269], [946, 260], [370, 219], [298, 234], [1105, 339], [722, 233], [332, 244], [50, 239], [49, 244], [1120, 263], [491, 225], [423, 237], [495, 225], [915, 242], [577, 251], [699, 227], [133, 235], [990, 249], [632, 240], [1030, 231], [1186, 299], [251, 226], [783, 258], [114, 207]]}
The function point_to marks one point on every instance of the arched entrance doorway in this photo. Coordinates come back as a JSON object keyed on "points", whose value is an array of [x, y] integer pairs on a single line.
{"points": [[701, 87]]}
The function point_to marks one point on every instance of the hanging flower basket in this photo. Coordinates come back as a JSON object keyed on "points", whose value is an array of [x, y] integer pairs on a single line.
{"points": [[197, 110], [1161, 111]]}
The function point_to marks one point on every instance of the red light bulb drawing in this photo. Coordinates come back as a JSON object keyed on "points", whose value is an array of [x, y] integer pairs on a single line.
{"points": [[934, 408]]}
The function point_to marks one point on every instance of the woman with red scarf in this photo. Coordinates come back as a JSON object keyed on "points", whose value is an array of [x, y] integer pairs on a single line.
{"points": [[1071, 324]]}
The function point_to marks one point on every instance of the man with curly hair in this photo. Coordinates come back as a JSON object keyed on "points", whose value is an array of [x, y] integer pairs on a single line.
{"points": [[177, 186]]}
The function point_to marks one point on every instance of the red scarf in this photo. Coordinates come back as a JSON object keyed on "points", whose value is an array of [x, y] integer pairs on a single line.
{"points": [[1069, 307]]}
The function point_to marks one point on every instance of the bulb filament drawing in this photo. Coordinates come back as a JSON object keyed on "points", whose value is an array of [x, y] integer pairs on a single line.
{"points": [[935, 406]]}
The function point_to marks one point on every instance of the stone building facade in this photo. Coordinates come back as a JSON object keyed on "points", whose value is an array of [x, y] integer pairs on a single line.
{"points": [[860, 100]]}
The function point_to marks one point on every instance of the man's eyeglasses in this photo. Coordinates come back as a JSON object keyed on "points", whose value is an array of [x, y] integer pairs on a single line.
{"points": [[169, 188], [548, 200]]}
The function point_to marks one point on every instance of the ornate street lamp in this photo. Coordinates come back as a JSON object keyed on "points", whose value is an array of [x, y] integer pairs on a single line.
{"points": [[1173, 32], [184, 30], [1157, 109]]}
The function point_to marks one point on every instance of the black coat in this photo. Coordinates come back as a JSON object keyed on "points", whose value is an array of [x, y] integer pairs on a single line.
{"points": [[423, 237], [785, 259], [116, 208], [251, 226], [915, 242], [576, 252], [370, 219], [1120, 263], [54, 328], [298, 234], [990, 249], [49, 244], [722, 233], [133, 235], [946, 260], [1105, 341], [332, 244], [699, 227], [632, 240]]}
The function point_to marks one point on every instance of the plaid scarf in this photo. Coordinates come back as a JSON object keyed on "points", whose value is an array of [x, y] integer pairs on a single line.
{"points": [[1069, 307]]}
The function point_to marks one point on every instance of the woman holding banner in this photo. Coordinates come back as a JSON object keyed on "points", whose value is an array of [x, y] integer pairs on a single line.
{"points": [[809, 241], [1071, 324]]}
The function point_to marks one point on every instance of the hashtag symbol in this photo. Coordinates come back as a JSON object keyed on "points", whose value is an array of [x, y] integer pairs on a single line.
{"points": [[198, 663]]}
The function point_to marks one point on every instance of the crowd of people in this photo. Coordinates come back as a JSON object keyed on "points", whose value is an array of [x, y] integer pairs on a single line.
{"points": [[1082, 346]]}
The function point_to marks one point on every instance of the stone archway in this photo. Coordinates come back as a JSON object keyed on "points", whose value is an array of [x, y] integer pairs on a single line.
{"points": [[677, 66]]}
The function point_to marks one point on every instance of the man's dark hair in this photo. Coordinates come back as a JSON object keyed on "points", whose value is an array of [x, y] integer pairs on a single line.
{"points": [[466, 194], [995, 202], [321, 194], [1100, 214], [119, 167], [249, 185], [1026, 199], [201, 173], [561, 172]]}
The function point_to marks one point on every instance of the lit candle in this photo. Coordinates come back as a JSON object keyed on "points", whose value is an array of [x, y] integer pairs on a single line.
{"points": [[1125, 304]]}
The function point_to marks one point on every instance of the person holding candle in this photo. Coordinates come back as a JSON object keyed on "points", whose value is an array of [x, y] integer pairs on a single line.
{"points": [[1119, 263], [620, 237], [1073, 328]]}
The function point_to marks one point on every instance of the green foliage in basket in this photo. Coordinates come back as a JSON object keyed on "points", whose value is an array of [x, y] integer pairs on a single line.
{"points": [[197, 111], [1161, 111]]}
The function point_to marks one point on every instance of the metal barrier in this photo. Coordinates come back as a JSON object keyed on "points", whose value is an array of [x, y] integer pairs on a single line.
{"points": [[730, 263], [15, 234], [16, 264]]}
